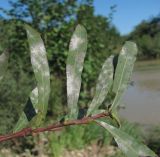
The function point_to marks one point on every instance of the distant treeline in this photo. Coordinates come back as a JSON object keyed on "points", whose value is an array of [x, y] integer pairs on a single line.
{"points": [[147, 37]]}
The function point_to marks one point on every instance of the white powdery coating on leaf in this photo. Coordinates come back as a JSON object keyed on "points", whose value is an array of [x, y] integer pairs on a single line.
{"points": [[46, 74], [111, 127], [111, 76], [43, 62], [142, 153], [35, 92], [38, 49], [72, 85], [70, 81], [130, 58], [36, 63], [29, 34], [42, 89], [123, 52], [2, 57], [122, 145], [75, 41], [39, 63], [80, 60], [80, 69], [36, 110]]}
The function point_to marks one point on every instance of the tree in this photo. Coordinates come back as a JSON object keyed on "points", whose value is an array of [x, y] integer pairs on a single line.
{"points": [[146, 35]]}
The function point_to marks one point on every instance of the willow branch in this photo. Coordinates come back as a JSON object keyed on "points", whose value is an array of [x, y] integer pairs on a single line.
{"points": [[54, 127]]}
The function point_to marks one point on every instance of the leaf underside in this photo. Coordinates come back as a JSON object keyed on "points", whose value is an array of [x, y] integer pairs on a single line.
{"points": [[75, 60], [123, 71], [103, 86], [40, 67], [41, 70], [126, 143]]}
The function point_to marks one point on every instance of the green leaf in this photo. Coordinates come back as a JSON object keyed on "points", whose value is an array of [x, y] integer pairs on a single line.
{"points": [[98, 112], [23, 120], [114, 116], [103, 86], [41, 70], [123, 71], [75, 60], [3, 64], [22, 123], [126, 143], [34, 97]]}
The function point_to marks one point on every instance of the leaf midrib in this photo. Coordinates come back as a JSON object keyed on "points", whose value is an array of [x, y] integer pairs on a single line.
{"points": [[112, 107]]}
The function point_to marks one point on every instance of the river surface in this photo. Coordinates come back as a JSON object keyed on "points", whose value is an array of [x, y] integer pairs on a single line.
{"points": [[142, 99]]}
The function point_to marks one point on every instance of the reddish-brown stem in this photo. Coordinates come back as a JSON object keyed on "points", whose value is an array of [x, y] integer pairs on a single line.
{"points": [[53, 127]]}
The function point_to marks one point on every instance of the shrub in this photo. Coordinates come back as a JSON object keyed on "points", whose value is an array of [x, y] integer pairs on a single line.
{"points": [[112, 79]]}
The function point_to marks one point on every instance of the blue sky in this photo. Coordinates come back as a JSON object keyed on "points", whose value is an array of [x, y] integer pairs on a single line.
{"points": [[129, 12]]}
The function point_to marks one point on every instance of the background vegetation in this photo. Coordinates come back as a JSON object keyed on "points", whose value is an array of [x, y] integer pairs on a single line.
{"points": [[56, 20]]}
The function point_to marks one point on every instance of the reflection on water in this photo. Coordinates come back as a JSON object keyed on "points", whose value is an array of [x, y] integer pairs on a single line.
{"points": [[142, 100]]}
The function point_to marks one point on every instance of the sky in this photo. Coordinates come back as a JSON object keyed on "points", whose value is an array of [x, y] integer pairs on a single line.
{"points": [[129, 13]]}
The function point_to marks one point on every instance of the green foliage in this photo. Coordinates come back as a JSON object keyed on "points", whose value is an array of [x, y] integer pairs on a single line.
{"points": [[3, 64], [53, 25], [55, 20], [13, 96], [133, 130], [147, 37], [153, 139], [23, 120], [57, 103], [123, 71], [96, 133], [68, 139]]}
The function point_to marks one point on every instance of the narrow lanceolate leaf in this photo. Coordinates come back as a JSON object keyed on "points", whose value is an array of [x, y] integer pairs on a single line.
{"points": [[126, 143], [103, 86], [77, 51], [123, 71], [29, 112], [3, 63], [41, 71]]}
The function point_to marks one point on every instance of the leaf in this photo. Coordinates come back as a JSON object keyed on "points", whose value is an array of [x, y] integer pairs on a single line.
{"points": [[75, 60], [126, 143], [98, 112], [123, 71], [22, 123], [29, 111], [41, 70], [103, 86], [34, 97], [3, 64]]}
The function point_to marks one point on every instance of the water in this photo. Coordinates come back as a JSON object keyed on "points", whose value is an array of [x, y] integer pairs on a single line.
{"points": [[142, 100]]}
